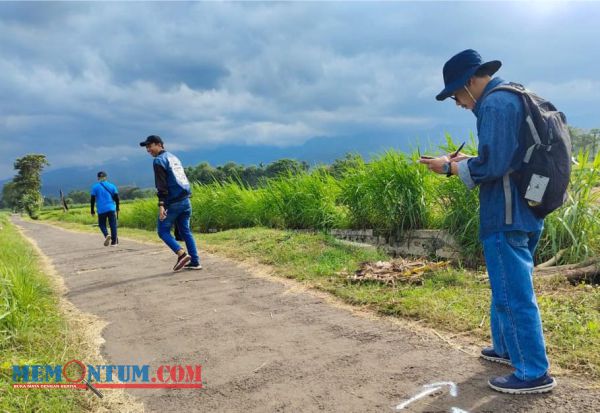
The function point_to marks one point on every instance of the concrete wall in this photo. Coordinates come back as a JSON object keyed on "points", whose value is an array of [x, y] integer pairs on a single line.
{"points": [[423, 242]]}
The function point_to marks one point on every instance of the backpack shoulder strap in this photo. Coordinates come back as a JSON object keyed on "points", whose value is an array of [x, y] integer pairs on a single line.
{"points": [[516, 88], [520, 90], [105, 188]]}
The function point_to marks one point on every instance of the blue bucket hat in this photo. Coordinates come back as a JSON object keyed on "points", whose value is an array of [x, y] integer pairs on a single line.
{"points": [[461, 67]]}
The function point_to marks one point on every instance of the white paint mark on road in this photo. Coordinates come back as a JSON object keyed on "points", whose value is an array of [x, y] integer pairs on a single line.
{"points": [[451, 385], [432, 388], [417, 397]]}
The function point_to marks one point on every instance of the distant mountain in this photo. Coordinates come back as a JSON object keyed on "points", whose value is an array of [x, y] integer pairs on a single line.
{"points": [[138, 171]]}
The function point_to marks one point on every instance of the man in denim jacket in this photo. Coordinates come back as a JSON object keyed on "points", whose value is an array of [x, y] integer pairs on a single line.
{"points": [[174, 206], [508, 241]]}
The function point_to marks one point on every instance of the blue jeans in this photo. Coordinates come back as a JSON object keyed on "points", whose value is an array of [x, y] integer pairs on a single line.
{"points": [[179, 214], [515, 317], [112, 221]]}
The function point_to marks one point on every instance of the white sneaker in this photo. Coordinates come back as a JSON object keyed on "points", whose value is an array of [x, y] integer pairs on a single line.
{"points": [[107, 240]]}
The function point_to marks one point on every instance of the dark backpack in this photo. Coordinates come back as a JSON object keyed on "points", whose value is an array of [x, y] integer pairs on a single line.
{"points": [[545, 171]]}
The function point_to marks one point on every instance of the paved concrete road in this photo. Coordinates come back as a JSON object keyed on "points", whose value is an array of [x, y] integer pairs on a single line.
{"points": [[265, 347]]}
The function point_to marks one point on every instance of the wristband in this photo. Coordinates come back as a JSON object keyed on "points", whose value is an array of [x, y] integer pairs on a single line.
{"points": [[447, 169]]}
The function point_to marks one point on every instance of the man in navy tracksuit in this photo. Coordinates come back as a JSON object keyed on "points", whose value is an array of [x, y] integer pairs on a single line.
{"points": [[175, 208], [105, 196]]}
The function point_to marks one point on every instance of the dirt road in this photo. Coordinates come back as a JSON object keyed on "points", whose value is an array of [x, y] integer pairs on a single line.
{"points": [[265, 345]]}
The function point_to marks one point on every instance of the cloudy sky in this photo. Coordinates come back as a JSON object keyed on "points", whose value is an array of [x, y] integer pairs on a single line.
{"points": [[85, 82]]}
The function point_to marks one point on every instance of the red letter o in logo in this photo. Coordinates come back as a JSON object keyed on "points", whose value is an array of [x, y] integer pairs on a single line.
{"points": [[82, 368], [177, 374]]}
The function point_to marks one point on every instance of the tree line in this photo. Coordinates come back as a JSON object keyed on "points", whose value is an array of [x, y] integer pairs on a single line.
{"points": [[585, 140], [22, 193]]}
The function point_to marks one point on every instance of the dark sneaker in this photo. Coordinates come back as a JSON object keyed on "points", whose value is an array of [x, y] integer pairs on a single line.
{"points": [[107, 240], [114, 243], [513, 385], [489, 354], [181, 261], [192, 266]]}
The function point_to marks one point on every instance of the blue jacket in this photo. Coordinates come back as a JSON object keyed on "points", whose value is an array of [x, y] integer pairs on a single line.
{"points": [[170, 179], [501, 147]]}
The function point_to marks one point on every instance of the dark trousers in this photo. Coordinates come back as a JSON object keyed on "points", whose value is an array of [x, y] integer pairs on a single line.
{"points": [[112, 221]]}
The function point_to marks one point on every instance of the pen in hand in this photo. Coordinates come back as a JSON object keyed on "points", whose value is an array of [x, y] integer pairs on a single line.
{"points": [[455, 154]]}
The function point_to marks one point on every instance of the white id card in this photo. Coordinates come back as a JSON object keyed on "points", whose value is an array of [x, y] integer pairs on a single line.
{"points": [[537, 188]]}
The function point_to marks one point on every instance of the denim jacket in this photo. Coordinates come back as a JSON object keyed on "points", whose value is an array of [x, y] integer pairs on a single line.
{"points": [[171, 182], [499, 119]]}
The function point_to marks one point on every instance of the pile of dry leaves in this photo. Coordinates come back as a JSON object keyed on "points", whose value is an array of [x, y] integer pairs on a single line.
{"points": [[397, 270]]}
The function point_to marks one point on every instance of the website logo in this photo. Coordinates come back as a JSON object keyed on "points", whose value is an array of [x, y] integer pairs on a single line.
{"points": [[77, 375]]}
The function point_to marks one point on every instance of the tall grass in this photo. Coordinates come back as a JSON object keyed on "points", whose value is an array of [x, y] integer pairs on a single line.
{"points": [[141, 214], [458, 213], [392, 194], [32, 330], [456, 208], [303, 201], [576, 226], [388, 194], [226, 205]]}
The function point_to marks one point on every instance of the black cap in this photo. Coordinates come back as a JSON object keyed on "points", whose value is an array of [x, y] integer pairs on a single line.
{"points": [[152, 139], [101, 174]]}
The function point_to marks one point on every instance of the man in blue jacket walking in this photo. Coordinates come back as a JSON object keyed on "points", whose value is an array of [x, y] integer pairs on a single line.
{"points": [[174, 206], [509, 242], [105, 196]]}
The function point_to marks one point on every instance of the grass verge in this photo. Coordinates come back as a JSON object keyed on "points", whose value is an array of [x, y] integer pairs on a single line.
{"points": [[39, 327], [454, 301], [32, 328]]}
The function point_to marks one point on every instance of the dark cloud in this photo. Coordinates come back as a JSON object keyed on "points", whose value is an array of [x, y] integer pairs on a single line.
{"points": [[40, 14], [170, 73], [83, 81]]}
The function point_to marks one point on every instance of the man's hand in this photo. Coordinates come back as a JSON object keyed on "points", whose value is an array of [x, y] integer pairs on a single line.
{"points": [[162, 213], [436, 164], [93, 213]]}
